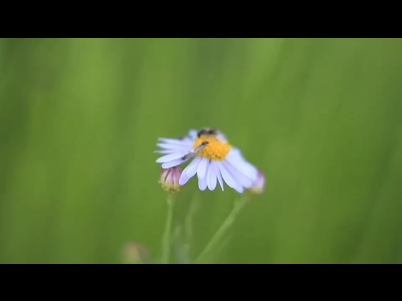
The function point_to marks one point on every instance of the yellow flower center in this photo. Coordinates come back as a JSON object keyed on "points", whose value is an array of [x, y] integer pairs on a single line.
{"points": [[215, 150]]}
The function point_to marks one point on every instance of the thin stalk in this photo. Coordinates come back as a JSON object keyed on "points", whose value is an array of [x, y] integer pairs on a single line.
{"points": [[222, 229], [166, 236], [189, 220]]}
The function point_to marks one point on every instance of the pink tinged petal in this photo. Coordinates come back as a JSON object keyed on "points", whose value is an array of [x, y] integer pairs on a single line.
{"points": [[164, 176], [176, 177], [168, 178], [171, 164], [189, 171], [259, 185], [212, 174], [170, 157], [202, 168]]}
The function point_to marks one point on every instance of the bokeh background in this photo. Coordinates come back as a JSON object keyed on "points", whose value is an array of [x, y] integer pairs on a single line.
{"points": [[80, 120]]}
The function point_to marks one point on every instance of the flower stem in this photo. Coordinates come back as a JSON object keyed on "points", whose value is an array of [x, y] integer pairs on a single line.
{"points": [[222, 230], [166, 236], [189, 222]]}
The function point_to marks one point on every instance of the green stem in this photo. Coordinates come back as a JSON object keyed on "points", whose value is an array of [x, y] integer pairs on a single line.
{"points": [[166, 236], [189, 221], [222, 230]]}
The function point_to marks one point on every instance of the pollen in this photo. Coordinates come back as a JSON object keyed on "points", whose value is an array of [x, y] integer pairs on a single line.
{"points": [[215, 150]]}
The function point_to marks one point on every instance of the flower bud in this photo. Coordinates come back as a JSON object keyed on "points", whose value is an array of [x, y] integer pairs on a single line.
{"points": [[170, 179]]}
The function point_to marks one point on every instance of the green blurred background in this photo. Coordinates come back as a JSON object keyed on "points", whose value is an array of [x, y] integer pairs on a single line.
{"points": [[80, 120]]}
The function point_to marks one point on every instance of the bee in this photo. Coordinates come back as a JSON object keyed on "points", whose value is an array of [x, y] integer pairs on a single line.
{"points": [[207, 132], [212, 133]]}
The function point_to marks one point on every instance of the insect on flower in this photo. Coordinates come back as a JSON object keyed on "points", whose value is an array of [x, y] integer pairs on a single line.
{"points": [[195, 151], [211, 157]]}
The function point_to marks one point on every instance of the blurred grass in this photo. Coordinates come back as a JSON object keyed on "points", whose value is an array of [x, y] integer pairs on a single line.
{"points": [[80, 119]]}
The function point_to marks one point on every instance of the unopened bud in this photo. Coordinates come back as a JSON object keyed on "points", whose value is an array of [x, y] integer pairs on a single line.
{"points": [[170, 179]]}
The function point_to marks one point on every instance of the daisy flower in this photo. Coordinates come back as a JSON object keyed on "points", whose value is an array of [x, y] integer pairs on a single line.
{"points": [[211, 157]]}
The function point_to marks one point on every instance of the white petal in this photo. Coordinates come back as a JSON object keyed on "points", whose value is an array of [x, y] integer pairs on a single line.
{"points": [[237, 161], [238, 176], [174, 141], [170, 157], [236, 151], [247, 170], [219, 176], [189, 171], [202, 168], [226, 176], [173, 146], [193, 134], [222, 137], [171, 164], [189, 142], [211, 176], [239, 188], [165, 152], [202, 184]]}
